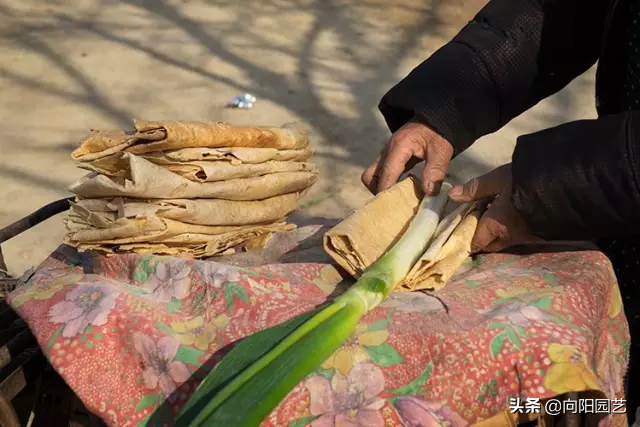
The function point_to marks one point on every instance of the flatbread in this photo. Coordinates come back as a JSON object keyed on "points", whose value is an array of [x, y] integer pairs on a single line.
{"points": [[234, 155], [143, 179], [150, 136], [443, 232], [104, 213], [367, 233], [188, 245], [436, 269], [116, 165], [154, 229]]}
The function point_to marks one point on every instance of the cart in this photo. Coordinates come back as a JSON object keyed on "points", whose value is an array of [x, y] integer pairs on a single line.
{"points": [[31, 392]]}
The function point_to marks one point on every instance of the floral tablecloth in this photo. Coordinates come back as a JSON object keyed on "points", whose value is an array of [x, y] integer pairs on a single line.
{"points": [[134, 335]]}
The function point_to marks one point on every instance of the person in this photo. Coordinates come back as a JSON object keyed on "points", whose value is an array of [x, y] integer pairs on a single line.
{"points": [[576, 181]]}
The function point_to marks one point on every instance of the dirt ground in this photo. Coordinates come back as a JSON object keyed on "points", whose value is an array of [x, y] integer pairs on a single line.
{"points": [[67, 66]]}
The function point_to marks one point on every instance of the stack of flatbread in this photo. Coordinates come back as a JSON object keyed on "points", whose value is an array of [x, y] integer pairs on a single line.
{"points": [[187, 188]]}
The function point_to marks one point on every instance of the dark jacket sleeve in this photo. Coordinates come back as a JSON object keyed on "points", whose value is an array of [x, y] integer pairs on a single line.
{"points": [[580, 180], [513, 54]]}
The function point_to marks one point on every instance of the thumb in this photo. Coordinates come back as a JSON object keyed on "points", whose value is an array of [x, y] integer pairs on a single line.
{"points": [[487, 185]]}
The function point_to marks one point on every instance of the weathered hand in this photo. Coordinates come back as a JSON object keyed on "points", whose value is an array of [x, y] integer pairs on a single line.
{"points": [[409, 145], [501, 225]]}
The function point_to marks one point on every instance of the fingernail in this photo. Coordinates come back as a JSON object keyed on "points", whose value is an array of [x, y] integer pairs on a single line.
{"points": [[437, 185], [456, 191], [431, 186]]}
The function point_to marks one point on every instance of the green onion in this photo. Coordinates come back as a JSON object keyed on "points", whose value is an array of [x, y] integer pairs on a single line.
{"points": [[252, 379]]}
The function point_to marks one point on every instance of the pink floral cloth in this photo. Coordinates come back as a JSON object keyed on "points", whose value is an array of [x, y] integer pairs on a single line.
{"points": [[134, 335]]}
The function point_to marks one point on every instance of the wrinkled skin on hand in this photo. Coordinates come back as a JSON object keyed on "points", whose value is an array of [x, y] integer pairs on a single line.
{"points": [[501, 225], [412, 143]]}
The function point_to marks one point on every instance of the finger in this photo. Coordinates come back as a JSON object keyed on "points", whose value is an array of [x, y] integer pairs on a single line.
{"points": [[483, 186], [497, 245], [369, 177], [372, 174], [433, 175], [486, 233], [393, 166], [435, 171]]}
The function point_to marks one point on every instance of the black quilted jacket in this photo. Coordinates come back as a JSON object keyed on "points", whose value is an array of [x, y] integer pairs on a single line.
{"points": [[579, 180]]}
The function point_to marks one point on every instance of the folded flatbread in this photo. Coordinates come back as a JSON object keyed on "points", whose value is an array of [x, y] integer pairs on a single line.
{"points": [[369, 232], [143, 179], [104, 213], [234, 155], [141, 225], [444, 257], [150, 136], [117, 165], [443, 232], [154, 229], [190, 245]]}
